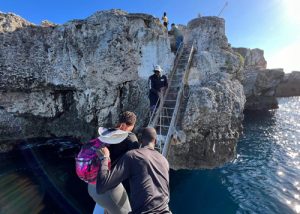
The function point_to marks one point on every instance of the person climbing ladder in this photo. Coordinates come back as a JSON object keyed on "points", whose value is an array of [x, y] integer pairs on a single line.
{"points": [[165, 20]]}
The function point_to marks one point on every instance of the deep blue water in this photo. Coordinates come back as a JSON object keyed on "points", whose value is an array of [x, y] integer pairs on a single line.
{"points": [[264, 178]]}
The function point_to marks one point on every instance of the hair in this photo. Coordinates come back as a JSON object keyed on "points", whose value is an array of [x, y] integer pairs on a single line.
{"points": [[148, 135], [172, 24], [165, 13], [127, 117]]}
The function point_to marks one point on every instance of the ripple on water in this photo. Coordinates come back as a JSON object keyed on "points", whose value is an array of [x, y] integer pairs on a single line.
{"points": [[265, 176], [269, 180]]}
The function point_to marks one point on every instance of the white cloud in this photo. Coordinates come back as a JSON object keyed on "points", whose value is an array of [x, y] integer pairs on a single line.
{"points": [[287, 58]]}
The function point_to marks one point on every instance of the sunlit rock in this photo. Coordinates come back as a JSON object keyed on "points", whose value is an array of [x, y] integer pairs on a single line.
{"points": [[68, 79]]}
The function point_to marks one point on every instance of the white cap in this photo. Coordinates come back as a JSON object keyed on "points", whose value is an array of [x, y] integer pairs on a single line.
{"points": [[158, 68], [113, 136]]}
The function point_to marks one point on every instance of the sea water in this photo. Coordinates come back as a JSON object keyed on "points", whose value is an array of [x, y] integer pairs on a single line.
{"points": [[264, 177]]}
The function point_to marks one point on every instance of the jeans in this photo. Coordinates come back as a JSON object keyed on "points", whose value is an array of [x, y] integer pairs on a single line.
{"points": [[114, 201], [179, 40]]}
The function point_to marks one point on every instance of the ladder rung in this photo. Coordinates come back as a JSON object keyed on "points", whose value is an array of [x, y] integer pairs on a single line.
{"points": [[166, 116], [163, 126], [170, 100], [168, 108]]}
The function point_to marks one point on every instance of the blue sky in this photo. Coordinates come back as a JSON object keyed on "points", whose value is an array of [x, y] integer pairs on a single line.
{"points": [[272, 25]]}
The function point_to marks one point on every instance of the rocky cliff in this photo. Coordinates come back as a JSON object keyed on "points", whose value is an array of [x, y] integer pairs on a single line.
{"points": [[211, 120], [289, 86], [259, 83], [60, 80], [68, 79], [10, 22]]}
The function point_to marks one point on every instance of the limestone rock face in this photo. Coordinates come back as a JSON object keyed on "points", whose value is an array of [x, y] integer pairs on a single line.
{"points": [[254, 58], [208, 32], [10, 22], [289, 86], [68, 79], [209, 125], [259, 83], [260, 87]]}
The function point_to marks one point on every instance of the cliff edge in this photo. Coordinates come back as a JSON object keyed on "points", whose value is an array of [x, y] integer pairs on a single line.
{"points": [[65, 80]]}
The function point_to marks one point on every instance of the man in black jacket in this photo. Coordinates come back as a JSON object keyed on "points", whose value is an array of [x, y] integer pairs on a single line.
{"points": [[148, 174], [157, 84]]}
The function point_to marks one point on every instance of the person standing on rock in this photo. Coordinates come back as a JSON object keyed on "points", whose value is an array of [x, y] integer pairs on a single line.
{"points": [[115, 200], [177, 34], [165, 20], [148, 174], [157, 84]]}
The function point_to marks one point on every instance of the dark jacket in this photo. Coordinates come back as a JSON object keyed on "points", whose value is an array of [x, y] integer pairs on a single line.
{"points": [[156, 83], [118, 150], [148, 174]]}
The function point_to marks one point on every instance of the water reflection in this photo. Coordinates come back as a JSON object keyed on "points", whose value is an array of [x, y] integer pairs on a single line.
{"points": [[20, 195], [39, 177], [264, 177]]}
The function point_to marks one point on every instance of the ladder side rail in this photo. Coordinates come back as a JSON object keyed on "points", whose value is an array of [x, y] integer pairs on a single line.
{"points": [[178, 102]]}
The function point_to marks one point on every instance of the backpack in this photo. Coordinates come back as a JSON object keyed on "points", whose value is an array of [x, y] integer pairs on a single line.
{"points": [[87, 161]]}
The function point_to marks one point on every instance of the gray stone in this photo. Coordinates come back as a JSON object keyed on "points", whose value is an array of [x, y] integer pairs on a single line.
{"points": [[254, 58], [10, 22], [68, 79], [289, 86], [259, 83], [214, 101]]}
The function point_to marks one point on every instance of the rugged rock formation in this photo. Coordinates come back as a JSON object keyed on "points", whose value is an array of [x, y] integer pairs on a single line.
{"points": [[253, 58], [211, 120], [10, 22], [259, 83], [289, 86], [69, 79]]}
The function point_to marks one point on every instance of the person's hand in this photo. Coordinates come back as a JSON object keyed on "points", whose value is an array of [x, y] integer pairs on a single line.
{"points": [[103, 152]]}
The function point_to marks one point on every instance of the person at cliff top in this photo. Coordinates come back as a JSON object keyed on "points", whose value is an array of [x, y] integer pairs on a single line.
{"points": [[148, 174], [177, 33], [115, 200], [165, 20], [157, 84]]}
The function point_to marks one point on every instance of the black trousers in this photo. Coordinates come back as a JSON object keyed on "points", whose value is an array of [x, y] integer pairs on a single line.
{"points": [[153, 99]]}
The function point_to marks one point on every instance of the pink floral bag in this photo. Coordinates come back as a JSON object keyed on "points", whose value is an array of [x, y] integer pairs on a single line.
{"points": [[87, 161]]}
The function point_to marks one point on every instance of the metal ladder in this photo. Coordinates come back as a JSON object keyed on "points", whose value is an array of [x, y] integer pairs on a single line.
{"points": [[165, 117]]}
